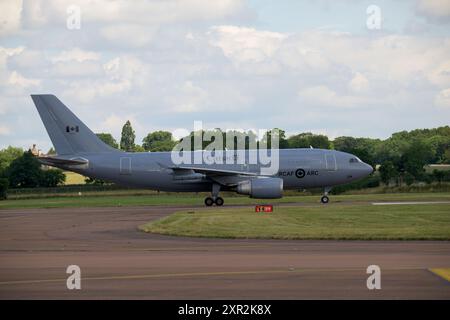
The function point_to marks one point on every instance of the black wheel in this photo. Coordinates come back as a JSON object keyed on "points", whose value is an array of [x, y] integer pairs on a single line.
{"points": [[209, 202], [219, 201], [324, 199]]}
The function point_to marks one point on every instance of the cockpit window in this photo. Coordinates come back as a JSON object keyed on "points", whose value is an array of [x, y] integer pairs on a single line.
{"points": [[354, 160]]}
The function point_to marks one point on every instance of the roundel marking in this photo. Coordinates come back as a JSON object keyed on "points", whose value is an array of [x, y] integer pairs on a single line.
{"points": [[299, 173]]}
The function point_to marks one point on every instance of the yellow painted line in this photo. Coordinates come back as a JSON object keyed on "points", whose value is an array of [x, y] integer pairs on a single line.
{"points": [[442, 272], [149, 276], [198, 274]]}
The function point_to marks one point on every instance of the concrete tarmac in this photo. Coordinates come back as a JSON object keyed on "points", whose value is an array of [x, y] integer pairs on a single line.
{"points": [[119, 262]]}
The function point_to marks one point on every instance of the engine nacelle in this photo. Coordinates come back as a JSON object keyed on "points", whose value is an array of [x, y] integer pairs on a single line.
{"points": [[262, 188]]}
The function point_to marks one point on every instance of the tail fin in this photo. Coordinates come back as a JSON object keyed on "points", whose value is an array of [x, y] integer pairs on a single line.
{"points": [[68, 134]]}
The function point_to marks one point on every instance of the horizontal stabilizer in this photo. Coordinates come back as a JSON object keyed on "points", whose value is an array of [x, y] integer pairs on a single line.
{"points": [[52, 161]]}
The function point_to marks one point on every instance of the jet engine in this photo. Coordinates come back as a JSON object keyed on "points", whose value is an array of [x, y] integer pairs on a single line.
{"points": [[262, 188]]}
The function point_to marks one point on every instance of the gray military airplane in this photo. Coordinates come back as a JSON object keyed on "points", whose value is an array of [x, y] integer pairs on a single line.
{"points": [[80, 150]]}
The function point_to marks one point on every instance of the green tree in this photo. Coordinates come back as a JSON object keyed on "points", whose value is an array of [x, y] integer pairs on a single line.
{"points": [[108, 139], [345, 144], [438, 175], [363, 148], [128, 137], [138, 148], [4, 183], [278, 133], [7, 156], [446, 156], [437, 140], [94, 181], [24, 172], [308, 139], [237, 139], [415, 158], [51, 152], [409, 178], [52, 178], [158, 141], [388, 171]]}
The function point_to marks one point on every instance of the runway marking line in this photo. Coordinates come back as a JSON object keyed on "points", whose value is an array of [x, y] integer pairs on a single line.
{"points": [[441, 272], [168, 275], [149, 276], [408, 202]]}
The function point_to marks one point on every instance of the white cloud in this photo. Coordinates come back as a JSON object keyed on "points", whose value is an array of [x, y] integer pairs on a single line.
{"points": [[359, 83], [6, 53], [113, 124], [325, 97], [26, 59], [442, 99], [75, 54], [34, 13], [434, 10], [120, 34], [125, 67], [145, 12], [87, 91], [77, 69], [388, 58], [246, 44], [120, 76], [440, 75], [10, 16], [16, 79], [4, 130], [190, 98]]}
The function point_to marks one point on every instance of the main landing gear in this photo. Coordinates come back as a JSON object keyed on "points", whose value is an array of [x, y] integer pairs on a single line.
{"points": [[210, 201], [325, 198], [214, 199]]}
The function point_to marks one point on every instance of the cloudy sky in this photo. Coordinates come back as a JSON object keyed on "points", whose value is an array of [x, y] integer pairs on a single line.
{"points": [[297, 65]]}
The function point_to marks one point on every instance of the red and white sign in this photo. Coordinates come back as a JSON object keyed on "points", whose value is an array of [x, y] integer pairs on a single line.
{"points": [[264, 208]]}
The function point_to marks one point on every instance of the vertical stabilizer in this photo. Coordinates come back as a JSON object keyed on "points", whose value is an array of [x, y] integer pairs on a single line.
{"points": [[68, 134]]}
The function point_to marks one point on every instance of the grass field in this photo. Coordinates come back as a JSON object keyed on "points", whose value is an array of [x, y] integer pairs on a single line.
{"points": [[345, 217], [73, 178], [334, 221], [197, 199]]}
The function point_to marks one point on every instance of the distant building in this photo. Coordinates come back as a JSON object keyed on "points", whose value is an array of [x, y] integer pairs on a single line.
{"points": [[35, 151]]}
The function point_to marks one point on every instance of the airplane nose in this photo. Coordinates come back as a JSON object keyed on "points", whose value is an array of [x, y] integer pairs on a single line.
{"points": [[368, 169]]}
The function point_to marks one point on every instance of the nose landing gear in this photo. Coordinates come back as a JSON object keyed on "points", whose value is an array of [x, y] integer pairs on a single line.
{"points": [[215, 199], [325, 198]]}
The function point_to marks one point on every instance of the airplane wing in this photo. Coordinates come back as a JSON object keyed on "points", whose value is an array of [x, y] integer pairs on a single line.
{"points": [[228, 178], [214, 172]]}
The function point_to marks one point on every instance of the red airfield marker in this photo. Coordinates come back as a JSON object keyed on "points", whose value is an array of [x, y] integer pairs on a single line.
{"points": [[264, 208]]}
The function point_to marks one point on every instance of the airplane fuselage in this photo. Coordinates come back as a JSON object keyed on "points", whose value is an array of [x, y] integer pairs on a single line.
{"points": [[299, 168]]}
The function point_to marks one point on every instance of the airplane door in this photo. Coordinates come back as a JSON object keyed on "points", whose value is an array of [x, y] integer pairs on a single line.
{"points": [[330, 162], [125, 165]]}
